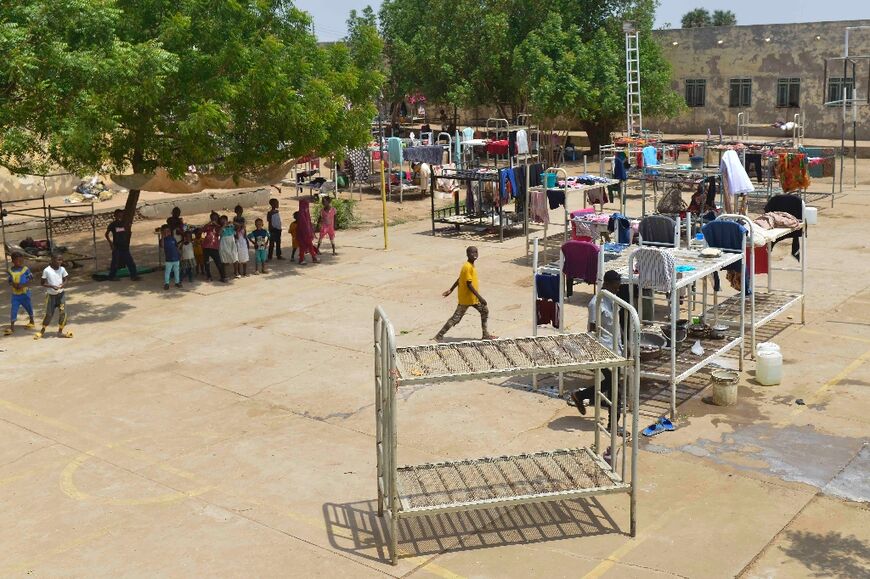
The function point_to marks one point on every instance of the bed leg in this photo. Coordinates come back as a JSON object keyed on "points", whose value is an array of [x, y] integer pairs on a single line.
{"points": [[394, 551]]}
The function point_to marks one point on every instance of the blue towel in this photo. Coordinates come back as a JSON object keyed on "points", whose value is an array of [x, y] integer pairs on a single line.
{"points": [[507, 175], [619, 171], [548, 286], [394, 148], [650, 159], [727, 235]]}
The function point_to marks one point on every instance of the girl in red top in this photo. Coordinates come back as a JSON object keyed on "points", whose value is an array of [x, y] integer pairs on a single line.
{"points": [[326, 223]]}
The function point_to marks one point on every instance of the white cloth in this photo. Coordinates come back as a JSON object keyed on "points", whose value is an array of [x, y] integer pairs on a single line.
{"points": [[275, 221], [187, 251], [242, 246], [54, 277], [425, 176], [606, 338], [229, 251], [655, 268], [734, 176], [522, 142]]}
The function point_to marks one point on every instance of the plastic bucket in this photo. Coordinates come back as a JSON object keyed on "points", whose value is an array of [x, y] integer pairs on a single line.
{"points": [[548, 179], [811, 214], [768, 367], [725, 387], [697, 162]]}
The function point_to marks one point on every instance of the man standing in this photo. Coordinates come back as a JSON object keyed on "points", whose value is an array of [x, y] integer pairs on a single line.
{"points": [[469, 297], [120, 245], [612, 283]]}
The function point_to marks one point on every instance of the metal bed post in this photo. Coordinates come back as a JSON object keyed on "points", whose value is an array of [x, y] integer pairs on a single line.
{"points": [[804, 260]]}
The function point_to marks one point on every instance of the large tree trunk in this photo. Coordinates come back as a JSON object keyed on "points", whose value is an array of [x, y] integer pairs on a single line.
{"points": [[598, 133], [130, 208]]}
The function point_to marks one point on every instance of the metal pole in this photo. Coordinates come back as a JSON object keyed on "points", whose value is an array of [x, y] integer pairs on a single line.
{"points": [[383, 181]]}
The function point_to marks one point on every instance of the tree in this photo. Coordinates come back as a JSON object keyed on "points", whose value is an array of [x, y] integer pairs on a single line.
{"points": [[724, 18], [133, 85], [697, 18]]}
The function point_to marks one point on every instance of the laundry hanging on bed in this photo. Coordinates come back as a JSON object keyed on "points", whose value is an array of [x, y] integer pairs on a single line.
{"points": [[547, 312], [792, 168], [538, 207], [547, 286], [507, 184], [792, 205], [358, 164], [431, 154]]}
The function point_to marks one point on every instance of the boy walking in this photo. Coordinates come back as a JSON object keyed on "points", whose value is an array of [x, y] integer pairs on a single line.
{"points": [[468, 297], [273, 217], [20, 277], [54, 281]]}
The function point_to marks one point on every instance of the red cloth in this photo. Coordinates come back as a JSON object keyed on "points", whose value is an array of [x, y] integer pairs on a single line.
{"points": [[305, 231], [497, 147], [581, 260], [761, 259]]}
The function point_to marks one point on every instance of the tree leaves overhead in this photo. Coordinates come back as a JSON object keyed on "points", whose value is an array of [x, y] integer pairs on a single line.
{"points": [[110, 85], [556, 58]]}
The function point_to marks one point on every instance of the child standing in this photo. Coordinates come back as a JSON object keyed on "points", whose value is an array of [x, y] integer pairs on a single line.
{"points": [[260, 238], [229, 250], [294, 227], [20, 277], [326, 223], [275, 227], [188, 259], [242, 240], [305, 233], [211, 244], [172, 258], [54, 281], [197, 252]]}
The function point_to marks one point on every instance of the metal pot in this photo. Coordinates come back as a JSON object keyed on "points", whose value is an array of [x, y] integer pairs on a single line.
{"points": [[681, 333], [651, 345], [698, 330], [717, 332]]}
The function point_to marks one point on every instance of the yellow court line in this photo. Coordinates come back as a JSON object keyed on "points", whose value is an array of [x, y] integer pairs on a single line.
{"points": [[817, 395], [24, 566], [630, 545]]}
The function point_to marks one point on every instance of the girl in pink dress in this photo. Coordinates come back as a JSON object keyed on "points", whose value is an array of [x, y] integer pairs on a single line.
{"points": [[326, 223], [305, 232]]}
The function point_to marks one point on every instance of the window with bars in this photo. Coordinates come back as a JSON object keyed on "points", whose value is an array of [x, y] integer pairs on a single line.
{"points": [[788, 92], [740, 94], [696, 92], [835, 88]]}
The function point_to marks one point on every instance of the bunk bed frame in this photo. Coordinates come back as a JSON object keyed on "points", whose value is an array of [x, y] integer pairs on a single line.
{"points": [[766, 303], [464, 485], [797, 132]]}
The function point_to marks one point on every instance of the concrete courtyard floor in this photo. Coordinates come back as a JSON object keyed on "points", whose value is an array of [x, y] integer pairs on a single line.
{"points": [[228, 430]]}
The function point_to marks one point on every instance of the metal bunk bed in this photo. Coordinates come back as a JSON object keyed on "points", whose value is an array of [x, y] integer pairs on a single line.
{"points": [[682, 363], [765, 302], [463, 485], [676, 176], [46, 214], [797, 130], [455, 215]]}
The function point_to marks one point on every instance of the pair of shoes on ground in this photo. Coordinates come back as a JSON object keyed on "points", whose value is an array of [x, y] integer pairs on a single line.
{"points": [[661, 425], [166, 286]]}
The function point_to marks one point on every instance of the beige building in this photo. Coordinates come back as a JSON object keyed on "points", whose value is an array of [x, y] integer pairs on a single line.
{"points": [[770, 72]]}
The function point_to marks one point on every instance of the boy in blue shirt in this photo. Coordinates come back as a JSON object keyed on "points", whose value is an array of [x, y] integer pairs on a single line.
{"points": [[260, 238], [20, 277]]}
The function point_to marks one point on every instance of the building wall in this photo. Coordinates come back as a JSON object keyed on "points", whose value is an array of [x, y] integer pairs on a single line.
{"points": [[794, 50]]}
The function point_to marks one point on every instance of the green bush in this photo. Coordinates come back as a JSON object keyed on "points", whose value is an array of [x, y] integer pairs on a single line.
{"points": [[344, 213]]}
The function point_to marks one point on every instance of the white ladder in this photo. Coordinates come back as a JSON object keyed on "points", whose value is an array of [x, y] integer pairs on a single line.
{"points": [[633, 115]]}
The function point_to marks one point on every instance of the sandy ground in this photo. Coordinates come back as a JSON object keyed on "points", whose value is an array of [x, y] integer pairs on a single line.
{"points": [[228, 430]]}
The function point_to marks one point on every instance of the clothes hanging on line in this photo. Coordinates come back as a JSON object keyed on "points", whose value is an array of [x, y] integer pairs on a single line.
{"points": [[507, 184], [556, 198], [431, 154], [621, 224], [538, 208], [598, 196], [792, 168], [547, 312], [522, 142], [547, 285], [655, 268], [394, 148]]}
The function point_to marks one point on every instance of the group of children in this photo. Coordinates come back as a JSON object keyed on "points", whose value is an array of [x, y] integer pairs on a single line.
{"points": [[53, 280], [190, 251]]}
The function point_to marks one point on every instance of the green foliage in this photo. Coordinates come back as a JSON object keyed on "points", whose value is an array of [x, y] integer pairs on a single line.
{"points": [[345, 217], [117, 85], [697, 18], [555, 58], [724, 18]]}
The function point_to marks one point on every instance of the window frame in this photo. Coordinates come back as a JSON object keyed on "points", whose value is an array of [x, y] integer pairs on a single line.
{"points": [[743, 85], [788, 86], [836, 83], [695, 88]]}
